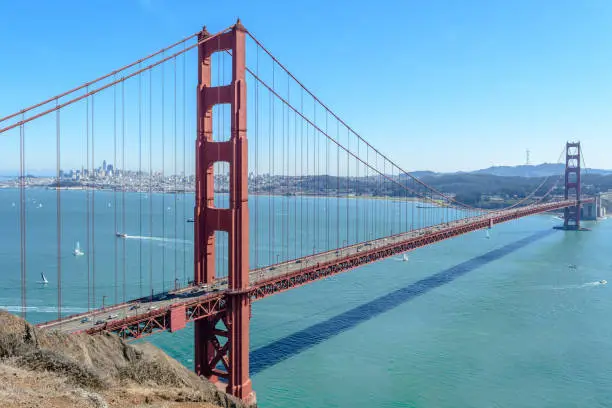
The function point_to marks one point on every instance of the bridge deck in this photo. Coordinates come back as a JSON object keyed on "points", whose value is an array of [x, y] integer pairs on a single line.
{"points": [[145, 316]]}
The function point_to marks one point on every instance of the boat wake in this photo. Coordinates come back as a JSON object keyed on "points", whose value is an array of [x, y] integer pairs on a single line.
{"points": [[404, 258], [43, 309], [158, 239], [582, 285]]}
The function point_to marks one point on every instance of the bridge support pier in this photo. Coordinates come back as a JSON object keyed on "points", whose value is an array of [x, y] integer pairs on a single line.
{"points": [[222, 343]]}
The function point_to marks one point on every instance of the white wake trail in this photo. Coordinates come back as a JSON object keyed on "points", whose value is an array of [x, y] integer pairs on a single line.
{"points": [[159, 239]]}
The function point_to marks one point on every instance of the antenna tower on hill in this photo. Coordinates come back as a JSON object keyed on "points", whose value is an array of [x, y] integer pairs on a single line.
{"points": [[527, 161]]}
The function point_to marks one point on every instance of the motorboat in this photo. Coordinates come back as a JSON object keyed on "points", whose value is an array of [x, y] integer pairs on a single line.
{"points": [[190, 220], [603, 281], [77, 250], [120, 234]]}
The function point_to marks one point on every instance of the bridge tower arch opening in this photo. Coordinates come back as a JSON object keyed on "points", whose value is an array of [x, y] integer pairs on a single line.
{"points": [[222, 341], [571, 219]]}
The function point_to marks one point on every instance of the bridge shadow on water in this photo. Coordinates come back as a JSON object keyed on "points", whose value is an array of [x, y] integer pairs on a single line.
{"points": [[293, 344]]}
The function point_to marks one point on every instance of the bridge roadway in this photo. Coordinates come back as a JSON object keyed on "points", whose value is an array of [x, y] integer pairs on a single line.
{"points": [[145, 316]]}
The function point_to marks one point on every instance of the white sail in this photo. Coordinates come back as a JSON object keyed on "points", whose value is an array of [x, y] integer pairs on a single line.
{"points": [[488, 235], [405, 258], [43, 278], [77, 250]]}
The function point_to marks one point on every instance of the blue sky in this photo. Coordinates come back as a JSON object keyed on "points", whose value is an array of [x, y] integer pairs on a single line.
{"points": [[439, 85]]}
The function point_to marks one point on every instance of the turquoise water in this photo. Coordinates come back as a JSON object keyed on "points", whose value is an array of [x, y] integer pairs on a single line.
{"points": [[469, 322]]}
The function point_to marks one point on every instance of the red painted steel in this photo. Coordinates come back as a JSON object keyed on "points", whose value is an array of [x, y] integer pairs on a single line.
{"points": [[572, 185], [234, 220], [144, 324], [177, 317]]}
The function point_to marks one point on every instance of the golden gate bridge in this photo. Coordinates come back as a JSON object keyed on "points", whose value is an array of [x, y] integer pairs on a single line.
{"points": [[256, 232]]}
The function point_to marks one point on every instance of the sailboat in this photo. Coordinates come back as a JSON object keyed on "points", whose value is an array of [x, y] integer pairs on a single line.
{"points": [[43, 278], [77, 250], [488, 236], [405, 258]]}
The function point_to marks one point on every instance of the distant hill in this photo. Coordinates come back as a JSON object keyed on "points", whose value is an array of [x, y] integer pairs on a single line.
{"points": [[539, 170]]}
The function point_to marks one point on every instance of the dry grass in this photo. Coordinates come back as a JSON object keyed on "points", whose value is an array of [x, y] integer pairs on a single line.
{"points": [[53, 370]]}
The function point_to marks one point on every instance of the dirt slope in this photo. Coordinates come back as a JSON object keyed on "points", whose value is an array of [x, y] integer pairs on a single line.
{"points": [[54, 370]]}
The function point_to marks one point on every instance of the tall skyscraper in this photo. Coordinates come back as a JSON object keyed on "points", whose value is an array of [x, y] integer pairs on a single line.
{"points": [[104, 166]]}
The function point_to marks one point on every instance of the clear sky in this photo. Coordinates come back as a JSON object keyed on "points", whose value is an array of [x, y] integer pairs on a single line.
{"points": [[438, 85]]}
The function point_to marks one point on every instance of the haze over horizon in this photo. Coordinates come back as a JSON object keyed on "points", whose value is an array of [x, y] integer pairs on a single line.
{"points": [[51, 172]]}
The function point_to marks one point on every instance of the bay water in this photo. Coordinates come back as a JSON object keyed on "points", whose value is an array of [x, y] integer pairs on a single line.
{"points": [[519, 319]]}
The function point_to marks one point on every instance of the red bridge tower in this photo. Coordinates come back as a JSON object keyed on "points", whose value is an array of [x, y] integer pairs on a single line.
{"points": [[222, 341], [572, 185]]}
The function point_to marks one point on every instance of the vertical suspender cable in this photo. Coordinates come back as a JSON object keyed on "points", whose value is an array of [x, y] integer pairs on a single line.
{"points": [[327, 243], [88, 243], [116, 171], [184, 171], [286, 182], [225, 247], [256, 172], [282, 180], [369, 202], [315, 172], [123, 176], [140, 184], [348, 177], [218, 167], [295, 173], [357, 197], [269, 181], [151, 183], [302, 176], [163, 174], [22, 217], [58, 215], [175, 184], [273, 156], [93, 205], [338, 186], [256, 198]]}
